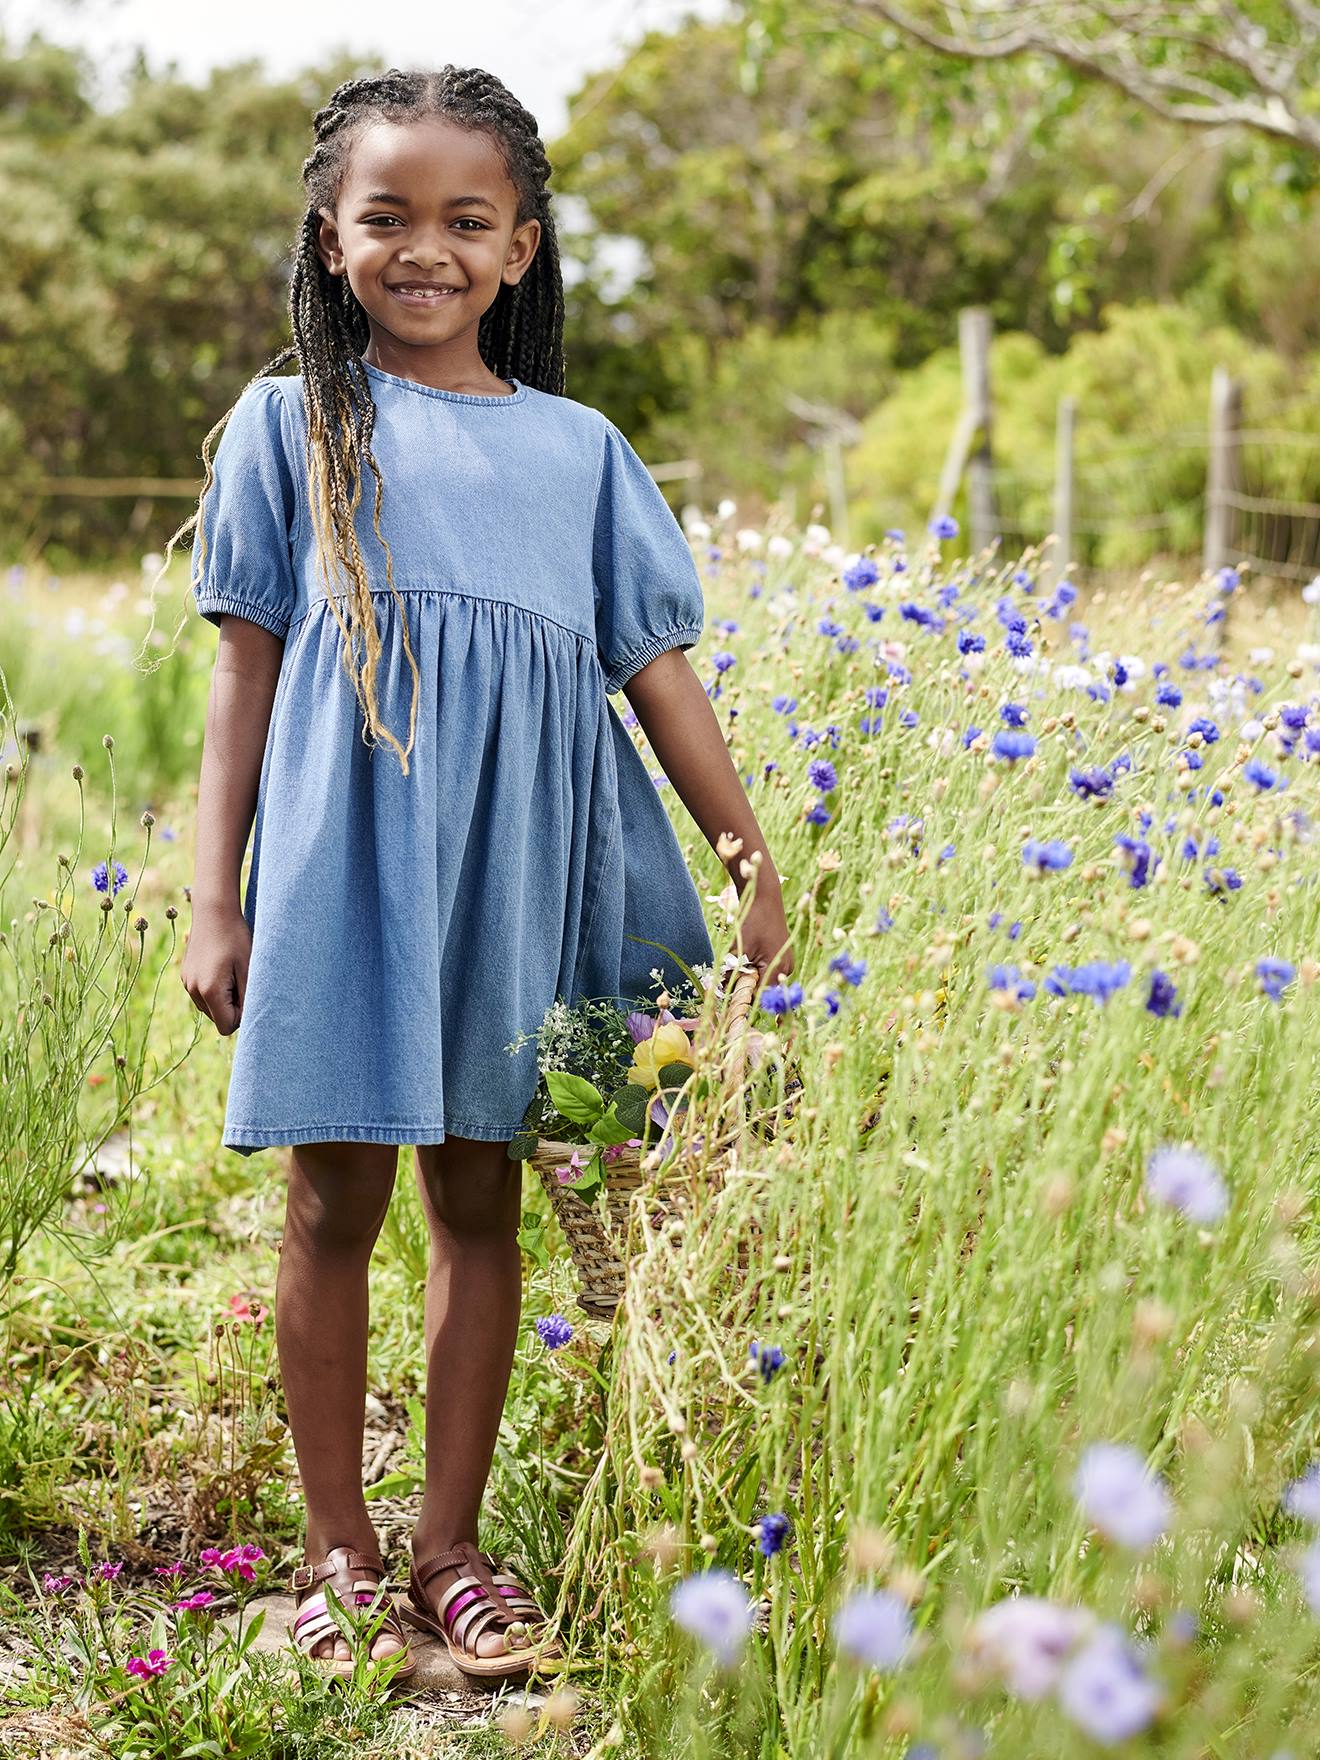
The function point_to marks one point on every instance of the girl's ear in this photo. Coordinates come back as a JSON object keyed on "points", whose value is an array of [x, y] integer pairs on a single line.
{"points": [[522, 248], [328, 246]]}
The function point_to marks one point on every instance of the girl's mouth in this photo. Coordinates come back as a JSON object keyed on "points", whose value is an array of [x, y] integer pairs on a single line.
{"points": [[417, 295]]}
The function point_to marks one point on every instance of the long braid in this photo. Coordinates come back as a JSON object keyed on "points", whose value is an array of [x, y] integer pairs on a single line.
{"points": [[520, 336]]}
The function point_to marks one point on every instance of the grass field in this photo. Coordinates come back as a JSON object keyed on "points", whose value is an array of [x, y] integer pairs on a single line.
{"points": [[1031, 1318]]}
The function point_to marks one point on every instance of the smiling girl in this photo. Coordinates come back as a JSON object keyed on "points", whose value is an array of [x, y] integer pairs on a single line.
{"points": [[418, 540]]}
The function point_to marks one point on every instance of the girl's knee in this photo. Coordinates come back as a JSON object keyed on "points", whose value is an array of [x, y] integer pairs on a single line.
{"points": [[470, 1188], [338, 1194]]}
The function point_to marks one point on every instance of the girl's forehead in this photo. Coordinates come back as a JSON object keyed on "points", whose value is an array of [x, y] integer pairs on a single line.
{"points": [[421, 158]]}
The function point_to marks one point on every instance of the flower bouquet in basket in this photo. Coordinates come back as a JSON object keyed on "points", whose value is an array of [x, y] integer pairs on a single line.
{"points": [[617, 1077]]}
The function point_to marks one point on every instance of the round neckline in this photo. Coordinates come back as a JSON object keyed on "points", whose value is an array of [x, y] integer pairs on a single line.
{"points": [[515, 396]]}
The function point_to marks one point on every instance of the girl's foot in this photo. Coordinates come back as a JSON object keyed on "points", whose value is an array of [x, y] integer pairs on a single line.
{"points": [[489, 1622], [356, 1577]]}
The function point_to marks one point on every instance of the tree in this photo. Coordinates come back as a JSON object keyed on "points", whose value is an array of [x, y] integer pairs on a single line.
{"points": [[1205, 63]]}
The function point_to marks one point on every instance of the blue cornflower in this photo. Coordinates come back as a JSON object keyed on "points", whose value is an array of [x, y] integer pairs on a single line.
{"points": [[1010, 744], [1013, 714], [1019, 646], [1009, 978], [827, 627], [768, 1358], [1167, 694], [1221, 880], [1041, 856], [1274, 975], [1097, 978], [970, 643], [1228, 580], [883, 922], [1192, 758], [971, 734], [818, 814], [908, 718], [101, 878], [945, 526], [862, 573], [783, 705], [1207, 729], [1263, 777], [1162, 1001], [822, 775], [554, 1331], [913, 613], [896, 536], [877, 696], [778, 999], [723, 660], [771, 1532], [851, 970], [1139, 854], [1095, 784], [1120, 673]]}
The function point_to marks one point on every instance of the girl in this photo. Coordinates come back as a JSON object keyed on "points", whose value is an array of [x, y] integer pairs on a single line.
{"points": [[418, 524]]}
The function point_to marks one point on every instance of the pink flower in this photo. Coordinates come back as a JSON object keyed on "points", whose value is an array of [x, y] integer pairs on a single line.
{"points": [[238, 1560], [572, 1168], [154, 1663], [53, 1584], [107, 1572], [200, 1598], [612, 1151], [171, 1570]]}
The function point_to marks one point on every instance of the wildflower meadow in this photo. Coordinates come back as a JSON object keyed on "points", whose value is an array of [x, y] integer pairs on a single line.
{"points": [[975, 1414]]}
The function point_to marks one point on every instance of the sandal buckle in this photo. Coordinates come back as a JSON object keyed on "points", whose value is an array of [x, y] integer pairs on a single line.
{"points": [[302, 1577]]}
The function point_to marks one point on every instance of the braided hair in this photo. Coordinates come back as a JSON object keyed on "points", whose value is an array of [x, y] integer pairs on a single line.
{"points": [[519, 336]]}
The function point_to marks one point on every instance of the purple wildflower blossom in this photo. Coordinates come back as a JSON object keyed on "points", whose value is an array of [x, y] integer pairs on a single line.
{"points": [[874, 1627], [1120, 1496], [713, 1606], [1105, 1689], [1184, 1179], [554, 1331]]}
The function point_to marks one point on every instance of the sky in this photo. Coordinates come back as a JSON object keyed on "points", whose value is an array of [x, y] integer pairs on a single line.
{"points": [[541, 49]]}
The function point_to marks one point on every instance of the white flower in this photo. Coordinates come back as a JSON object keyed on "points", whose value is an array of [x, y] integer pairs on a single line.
{"points": [[748, 539], [151, 561], [727, 508], [1308, 1569], [779, 547], [1311, 592], [814, 539]]}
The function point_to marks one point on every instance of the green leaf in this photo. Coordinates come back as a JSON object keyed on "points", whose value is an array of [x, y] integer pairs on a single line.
{"points": [[610, 1128], [629, 1104], [574, 1096], [522, 1145], [673, 1075], [395, 1485], [531, 1238]]}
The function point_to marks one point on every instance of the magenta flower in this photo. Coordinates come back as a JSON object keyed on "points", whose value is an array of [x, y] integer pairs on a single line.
{"points": [[107, 1572], [171, 1570], [238, 1560], [150, 1666], [53, 1584], [612, 1151], [573, 1168], [200, 1598]]}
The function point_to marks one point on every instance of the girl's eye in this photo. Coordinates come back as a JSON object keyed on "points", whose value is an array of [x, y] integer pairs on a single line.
{"points": [[393, 219]]}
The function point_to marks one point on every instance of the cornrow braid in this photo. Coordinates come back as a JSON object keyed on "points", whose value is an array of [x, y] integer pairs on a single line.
{"points": [[520, 336]]}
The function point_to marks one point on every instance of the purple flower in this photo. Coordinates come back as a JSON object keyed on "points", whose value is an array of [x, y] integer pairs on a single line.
{"points": [[713, 1606], [768, 1358], [1184, 1179], [554, 1331], [53, 1584], [190, 1603], [1054, 854], [1118, 1494], [822, 775], [1308, 1569], [1302, 1496], [771, 1533], [874, 1627], [1013, 714], [1010, 744], [148, 1667], [778, 999], [1274, 974], [1162, 1001], [178, 1569], [1027, 1639], [851, 970], [101, 877], [107, 1572], [1261, 774], [1138, 858], [1105, 1689], [1009, 978], [1097, 978], [945, 526]]}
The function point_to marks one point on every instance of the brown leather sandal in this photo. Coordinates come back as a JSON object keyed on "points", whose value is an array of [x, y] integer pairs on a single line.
{"points": [[342, 1570], [468, 1607]]}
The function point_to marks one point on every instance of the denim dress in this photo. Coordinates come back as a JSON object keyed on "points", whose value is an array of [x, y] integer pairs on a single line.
{"points": [[405, 929]]}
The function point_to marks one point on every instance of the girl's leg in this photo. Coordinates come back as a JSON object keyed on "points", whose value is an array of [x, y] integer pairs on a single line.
{"points": [[337, 1198], [472, 1195]]}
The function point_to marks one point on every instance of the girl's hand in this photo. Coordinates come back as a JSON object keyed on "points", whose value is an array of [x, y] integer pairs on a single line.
{"points": [[215, 964], [764, 935]]}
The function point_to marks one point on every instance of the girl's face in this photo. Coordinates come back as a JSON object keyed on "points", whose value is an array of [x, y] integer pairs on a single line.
{"points": [[425, 234]]}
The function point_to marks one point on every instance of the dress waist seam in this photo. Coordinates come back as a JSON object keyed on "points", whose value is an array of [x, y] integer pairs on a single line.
{"points": [[455, 593]]}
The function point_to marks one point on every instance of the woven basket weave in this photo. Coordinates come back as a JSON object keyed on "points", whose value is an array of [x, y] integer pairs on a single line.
{"points": [[595, 1249]]}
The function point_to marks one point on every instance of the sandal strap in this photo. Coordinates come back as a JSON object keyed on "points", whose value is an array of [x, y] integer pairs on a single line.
{"points": [[465, 1589], [306, 1574], [442, 1561]]}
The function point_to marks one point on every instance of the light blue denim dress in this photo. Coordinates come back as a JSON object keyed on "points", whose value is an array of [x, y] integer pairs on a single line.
{"points": [[405, 929]]}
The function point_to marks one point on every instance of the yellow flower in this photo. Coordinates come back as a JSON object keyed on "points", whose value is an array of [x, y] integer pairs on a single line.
{"points": [[667, 1044]]}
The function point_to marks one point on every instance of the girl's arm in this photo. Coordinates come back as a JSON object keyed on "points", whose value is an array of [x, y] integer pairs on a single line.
{"points": [[243, 680], [676, 716]]}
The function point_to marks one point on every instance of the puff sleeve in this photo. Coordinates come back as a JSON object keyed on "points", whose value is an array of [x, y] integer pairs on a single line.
{"points": [[648, 592], [250, 513]]}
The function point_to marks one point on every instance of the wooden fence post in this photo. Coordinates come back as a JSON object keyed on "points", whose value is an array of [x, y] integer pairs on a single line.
{"points": [[1061, 555], [1223, 468], [970, 444]]}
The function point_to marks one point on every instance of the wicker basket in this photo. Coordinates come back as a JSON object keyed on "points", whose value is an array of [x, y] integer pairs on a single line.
{"points": [[594, 1247]]}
